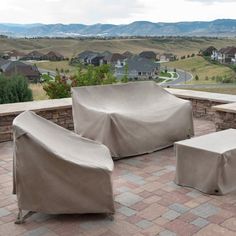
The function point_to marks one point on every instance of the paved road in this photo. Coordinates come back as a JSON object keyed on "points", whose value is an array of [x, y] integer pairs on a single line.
{"points": [[44, 71], [183, 77]]}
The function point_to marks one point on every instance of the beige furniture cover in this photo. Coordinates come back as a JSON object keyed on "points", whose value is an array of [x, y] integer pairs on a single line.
{"points": [[132, 118], [208, 163], [57, 171]]}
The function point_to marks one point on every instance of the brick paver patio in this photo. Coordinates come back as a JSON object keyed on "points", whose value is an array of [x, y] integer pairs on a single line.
{"points": [[147, 202]]}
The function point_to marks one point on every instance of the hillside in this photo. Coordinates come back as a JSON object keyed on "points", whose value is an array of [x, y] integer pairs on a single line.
{"points": [[199, 66], [70, 47], [221, 27]]}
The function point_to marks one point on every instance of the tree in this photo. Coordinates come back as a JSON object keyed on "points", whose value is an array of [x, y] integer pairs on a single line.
{"points": [[196, 77], [166, 69], [61, 87], [14, 89], [125, 78]]}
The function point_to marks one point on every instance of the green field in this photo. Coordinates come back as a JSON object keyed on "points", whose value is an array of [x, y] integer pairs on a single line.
{"points": [[53, 65], [201, 67], [70, 47]]}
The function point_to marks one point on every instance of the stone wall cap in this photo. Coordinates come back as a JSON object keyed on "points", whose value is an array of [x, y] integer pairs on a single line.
{"points": [[229, 108], [215, 97], [43, 105]]}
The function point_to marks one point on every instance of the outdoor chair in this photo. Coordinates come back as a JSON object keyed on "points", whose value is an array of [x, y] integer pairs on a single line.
{"points": [[132, 118], [58, 172]]}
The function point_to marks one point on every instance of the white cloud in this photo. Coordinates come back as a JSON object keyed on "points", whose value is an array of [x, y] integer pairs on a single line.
{"points": [[212, 1], [113, 11]]}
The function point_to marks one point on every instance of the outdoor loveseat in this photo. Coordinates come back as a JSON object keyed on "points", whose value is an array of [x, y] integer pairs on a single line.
{"points": [[132, 118], [56, 171]]}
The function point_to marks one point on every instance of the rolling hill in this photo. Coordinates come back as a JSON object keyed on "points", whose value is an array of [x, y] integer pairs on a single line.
{"points": [[216, 28], [71, 47]]}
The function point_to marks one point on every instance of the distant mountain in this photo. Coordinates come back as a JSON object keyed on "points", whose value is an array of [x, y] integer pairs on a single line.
{"points": [[219, 28]]}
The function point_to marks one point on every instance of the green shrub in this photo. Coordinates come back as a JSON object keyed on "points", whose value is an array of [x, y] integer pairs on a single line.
{"points": [[196, 77], [14, 89], [61, 87], [227, 80]]}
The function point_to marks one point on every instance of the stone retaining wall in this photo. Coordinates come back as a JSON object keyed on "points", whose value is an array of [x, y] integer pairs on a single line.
{"points": [[225, 116], [60, 110], [62, 117]]}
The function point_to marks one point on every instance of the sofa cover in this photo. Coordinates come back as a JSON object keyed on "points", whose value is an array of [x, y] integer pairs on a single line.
{"points": [[132, 118], [208, 162], [56, 171]]}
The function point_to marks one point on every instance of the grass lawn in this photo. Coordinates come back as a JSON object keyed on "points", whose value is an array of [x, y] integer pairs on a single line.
{"points": [[199, 66], [53, 65], [180, 46], [165, 74], [175, 75], [38, 92]]}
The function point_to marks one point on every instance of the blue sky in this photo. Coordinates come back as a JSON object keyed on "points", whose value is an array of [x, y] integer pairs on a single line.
{"points": [[114, 11]]}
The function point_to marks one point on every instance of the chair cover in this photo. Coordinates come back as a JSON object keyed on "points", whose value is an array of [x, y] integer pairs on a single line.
{"points": [[56, 171]]}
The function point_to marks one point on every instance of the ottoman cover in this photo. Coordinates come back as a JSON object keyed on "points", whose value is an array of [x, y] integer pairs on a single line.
{"points": [[208, 163]]}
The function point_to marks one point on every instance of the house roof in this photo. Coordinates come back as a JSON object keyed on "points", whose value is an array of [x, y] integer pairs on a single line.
{"points": [[34, 54], [114, 57], [148, 54], [139, 64], [128, 54], [209, 50], [228, 50], [106, 53], [54, 54], [86, 54], [20, 68], [15, 53]]}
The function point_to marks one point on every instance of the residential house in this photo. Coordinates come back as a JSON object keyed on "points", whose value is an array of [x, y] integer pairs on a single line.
{"points": [[85, 57], [208, 51], [3, 62], [53, 56], [34, 55], [225, 55], [148, 55], [138, 68], [30, 72], [95, 60], [167, 57], [114, 58], [14, 55]]}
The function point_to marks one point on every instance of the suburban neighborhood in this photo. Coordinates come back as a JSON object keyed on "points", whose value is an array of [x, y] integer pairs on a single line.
{"points": [[225, 55]]}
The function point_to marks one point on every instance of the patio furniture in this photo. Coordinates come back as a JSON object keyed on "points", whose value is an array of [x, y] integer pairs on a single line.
{"points": [[58, 172], [208, 163], [132, 118]]}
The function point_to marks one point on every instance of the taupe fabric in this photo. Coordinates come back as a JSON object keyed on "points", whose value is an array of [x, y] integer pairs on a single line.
{"points": [[131, 119], [208, 163], [56, 171]]}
